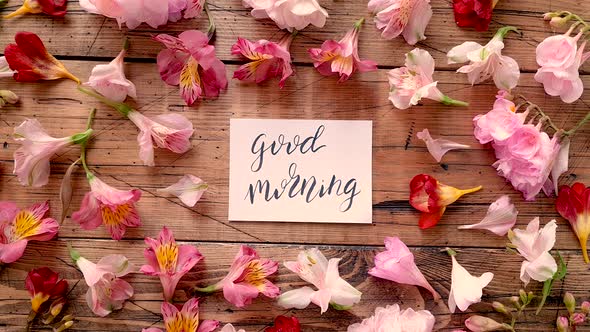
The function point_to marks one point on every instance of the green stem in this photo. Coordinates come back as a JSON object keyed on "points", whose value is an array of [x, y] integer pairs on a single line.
{"points": [[89, 174], [126, 44], [211, 29], [503, 31], [578, 126], [544, 116], [74, 254], [208, 289], [359, 23], [450, 251], [123, 108], [446, 100]]}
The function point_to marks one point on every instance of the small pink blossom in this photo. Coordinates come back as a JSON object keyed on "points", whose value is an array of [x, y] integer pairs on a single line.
{"points": [[168, 260], [398, 17], [107, 291], [185, 319], [110, 81], [267, 60], [313, 267], [396, 263], [109, 206], [391, 318], [478, 323], [289, 14], [189, 61], [247, 278], [341, 58], [440, 146], [500, 123], [189, 189], [19, 226], [499, 219], [465, 288]]}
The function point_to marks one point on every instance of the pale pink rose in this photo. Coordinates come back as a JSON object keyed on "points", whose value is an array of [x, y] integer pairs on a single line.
{"points": [[168, 260], [487, 61], [558, 51], [396, 263], [341, 58], [500, 123], [190, 62], [109, 206], [313, 267], [188, 316], [440, 146], [31, 159], [189, 189], [499, 219], [267, 60], [19, 226], [534, 245], [402, 17], [289, 14], [465, 288], [391, 318], [413, 82], [110, 81], [107, 291], [247, 278], [168, 131]]}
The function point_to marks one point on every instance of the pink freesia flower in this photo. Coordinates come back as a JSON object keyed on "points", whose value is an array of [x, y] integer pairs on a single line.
{"points": [[110, 81], [465, 288], [534, 245], [107, 291], [247, 278], [109, 206], [391, 318], [31, 160], [440, 146], [313, 267], [189, 61], [185, 319], [487, 61], [19, 226], [478, 323], [341, 58], [398, 17], [289, 14], [499, 219], [189, 189], [168, 260], [500, 123], [413, 82], [396, 263], [268, 60], [168, 131]]}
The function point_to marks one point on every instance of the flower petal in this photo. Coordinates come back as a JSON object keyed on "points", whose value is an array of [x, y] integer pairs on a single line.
{"points": [[500, 218], [299, 298], [440, 146]]}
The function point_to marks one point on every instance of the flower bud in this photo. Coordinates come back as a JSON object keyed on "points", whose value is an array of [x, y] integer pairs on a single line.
{"points": [[523, 296], [57, 306], [586, 307], [578, 318], [570, 302], [482, 324], [9, 96], [499, 307], [548, 16], [515, 300], [562, 324], [558, 22]]}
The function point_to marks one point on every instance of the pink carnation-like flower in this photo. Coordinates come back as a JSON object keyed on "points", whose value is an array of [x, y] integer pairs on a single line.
{"points": [[398, 17], [341, 57], [289, 14], [189, 61], [392, 318]]}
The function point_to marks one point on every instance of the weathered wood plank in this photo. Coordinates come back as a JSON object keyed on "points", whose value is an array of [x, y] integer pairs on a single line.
{"points": [[143, 310]]}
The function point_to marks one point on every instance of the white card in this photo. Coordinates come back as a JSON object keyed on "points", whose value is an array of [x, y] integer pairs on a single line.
{"points": [[300, 170]]}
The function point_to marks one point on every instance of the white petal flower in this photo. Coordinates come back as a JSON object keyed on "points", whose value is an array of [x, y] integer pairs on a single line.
{"points": [[189, 189], [500, 218], [440, 146], [465, 288]]}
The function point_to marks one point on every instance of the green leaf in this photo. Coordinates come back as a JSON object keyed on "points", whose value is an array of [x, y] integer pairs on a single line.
{"points": [[559, 275]]}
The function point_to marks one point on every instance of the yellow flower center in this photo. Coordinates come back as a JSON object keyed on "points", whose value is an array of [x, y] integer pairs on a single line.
{"points": [[167, 255], [25, 225], [254, 274], [116, 217], [38, 300], [181, 323]]}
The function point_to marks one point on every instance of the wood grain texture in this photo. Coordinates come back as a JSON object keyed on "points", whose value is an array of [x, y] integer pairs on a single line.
{"points": [[85, 40]]}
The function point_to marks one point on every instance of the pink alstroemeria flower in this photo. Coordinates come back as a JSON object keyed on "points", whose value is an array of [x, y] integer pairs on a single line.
{"points": [[110, 81], [31, 160], [106, 205], [440, 146], [465, 288], [392, 318], [341, 58], [189, 61], [19, 226], [107, 291], [168, 260], [247, 278], [396, 263], [289, 14], [313, 267], [499, 219], [185, 319], [414, 81], [188, 189], [268, 59], [397, 17]]}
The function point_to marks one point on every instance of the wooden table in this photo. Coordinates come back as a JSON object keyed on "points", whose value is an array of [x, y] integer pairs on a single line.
{"points": [[83, 40]]}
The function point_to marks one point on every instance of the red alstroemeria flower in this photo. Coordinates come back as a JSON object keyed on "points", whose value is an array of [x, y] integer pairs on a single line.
{"points": [[573, 203], [44, 284], [284, 324], [474, 13], [432, 198], [31, 61], [49, 7]]}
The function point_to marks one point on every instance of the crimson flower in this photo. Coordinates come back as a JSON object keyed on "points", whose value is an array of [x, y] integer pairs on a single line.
{"points": [[573, 203], [284, 324], [49, 7], [44, 284], [474, 13]]}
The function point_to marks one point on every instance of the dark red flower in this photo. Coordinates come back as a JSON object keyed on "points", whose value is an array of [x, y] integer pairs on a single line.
{"points": [[49, 7], [43, 285], [473, 13], [31, 61], [573, 203], [284, 324]]}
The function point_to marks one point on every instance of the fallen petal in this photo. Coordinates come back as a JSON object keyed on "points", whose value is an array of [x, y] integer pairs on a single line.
{"points": [[440, 146], [500, 218], [188, 189]]}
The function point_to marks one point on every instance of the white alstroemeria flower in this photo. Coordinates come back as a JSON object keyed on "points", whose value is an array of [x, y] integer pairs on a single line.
{"points": [[534, 245], [465, 288], [487, 61], [109, 80], [188, 189], [500, 218], [313, 267]]}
